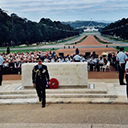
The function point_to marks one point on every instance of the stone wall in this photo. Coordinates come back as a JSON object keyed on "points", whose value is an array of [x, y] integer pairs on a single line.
{"points": [[68, 74]]}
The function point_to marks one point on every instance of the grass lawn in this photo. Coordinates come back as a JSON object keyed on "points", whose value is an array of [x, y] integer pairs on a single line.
{"points": [[28, 50], [30, 46], [115, 39], [125, 48], [79, 41], [99, 40]]}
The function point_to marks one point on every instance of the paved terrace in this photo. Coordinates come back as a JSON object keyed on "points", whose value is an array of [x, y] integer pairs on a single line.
{"points": [[82, 112], [65, 113], [106, 91], [64, 116]]}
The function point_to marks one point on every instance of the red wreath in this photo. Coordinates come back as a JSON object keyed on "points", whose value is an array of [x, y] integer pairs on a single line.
{"points": [[54, 83]]}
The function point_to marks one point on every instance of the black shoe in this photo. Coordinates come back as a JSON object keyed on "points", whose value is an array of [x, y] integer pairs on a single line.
{"points": [[122, 84], [43, 106]]}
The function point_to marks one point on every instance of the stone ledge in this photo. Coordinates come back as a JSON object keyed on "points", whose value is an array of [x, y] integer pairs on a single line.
{"points": [[73, 95], [57, 91], [65, 101]]}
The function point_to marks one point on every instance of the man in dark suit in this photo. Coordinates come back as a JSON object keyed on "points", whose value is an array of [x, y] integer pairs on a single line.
{"points": [[40, 77]]}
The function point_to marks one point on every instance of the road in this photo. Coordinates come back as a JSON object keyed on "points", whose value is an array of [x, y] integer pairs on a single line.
{"points": [[61, 45]]}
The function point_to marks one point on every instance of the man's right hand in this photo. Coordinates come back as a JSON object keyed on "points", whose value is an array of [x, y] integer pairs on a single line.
{"points": [[34, 85], [126, 70]]}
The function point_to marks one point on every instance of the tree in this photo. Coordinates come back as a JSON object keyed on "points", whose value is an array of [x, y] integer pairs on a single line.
{"points": [[16, 29]]}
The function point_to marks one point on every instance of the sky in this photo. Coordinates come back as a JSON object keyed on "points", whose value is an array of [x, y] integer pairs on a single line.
{"points": [[67, 10]]}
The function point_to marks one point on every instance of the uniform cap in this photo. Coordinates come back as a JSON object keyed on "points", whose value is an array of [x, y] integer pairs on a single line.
{"points": [[39, 59]]}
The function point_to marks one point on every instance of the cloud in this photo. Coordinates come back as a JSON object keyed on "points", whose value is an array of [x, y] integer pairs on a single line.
{"points": [[62, 7], [48, 5]]}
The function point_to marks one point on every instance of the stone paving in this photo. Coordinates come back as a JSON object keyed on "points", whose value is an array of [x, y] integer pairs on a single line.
{"points": [[64, 115], [39, 125], [65, 112]]}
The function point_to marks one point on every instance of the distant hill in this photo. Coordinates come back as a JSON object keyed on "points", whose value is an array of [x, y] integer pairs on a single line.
{"points": [[118, 29], [84, 24]]}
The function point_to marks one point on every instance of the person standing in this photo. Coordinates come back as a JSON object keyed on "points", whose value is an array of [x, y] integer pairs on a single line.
{"points": [[121, 59], [77, 57], [77, 51], [126, 77], [40, 77], [1, 67], [8, 50]]}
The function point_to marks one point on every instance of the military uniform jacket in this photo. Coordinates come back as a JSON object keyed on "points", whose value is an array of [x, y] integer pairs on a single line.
{"points": [[40, 76]]}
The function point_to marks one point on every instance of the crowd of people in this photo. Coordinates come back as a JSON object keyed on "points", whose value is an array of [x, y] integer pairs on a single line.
{"points": [[13, 61]]}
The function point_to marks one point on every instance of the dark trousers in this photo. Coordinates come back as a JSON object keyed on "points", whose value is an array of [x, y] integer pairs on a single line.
{"points": [[91, 67], [98, 66], [121, 73], [1, 74], [126, 84], [41, 94]]}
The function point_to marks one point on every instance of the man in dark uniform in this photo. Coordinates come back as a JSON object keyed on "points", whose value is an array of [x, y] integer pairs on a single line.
{"points": [[40, 77]]}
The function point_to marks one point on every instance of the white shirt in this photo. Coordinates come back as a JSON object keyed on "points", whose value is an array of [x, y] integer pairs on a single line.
{"points": [[46, 60], [1, 60], [83, 59], [77, 57], [52, 60], [126, 65], [121, 57], [93, 60], [39, 66], [61, 60], [101, 61], [88, 60], [6, 64]]}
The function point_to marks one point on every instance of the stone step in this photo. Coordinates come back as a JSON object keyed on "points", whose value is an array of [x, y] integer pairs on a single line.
{"points": [[57, 91], [73, 95], [65, 101], [81, 96]]}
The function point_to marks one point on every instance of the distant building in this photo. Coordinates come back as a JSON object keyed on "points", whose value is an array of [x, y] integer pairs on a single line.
{"points": [[90, 29]]}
